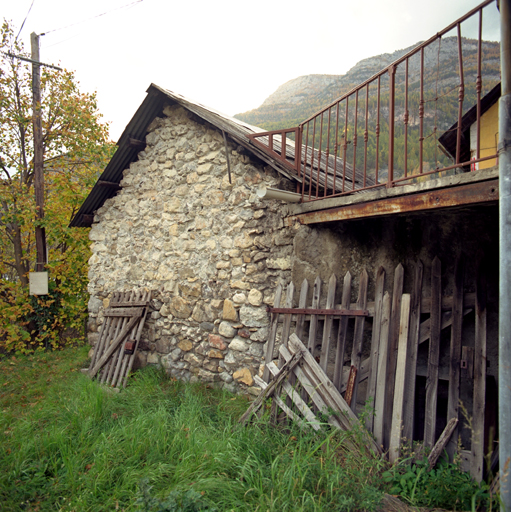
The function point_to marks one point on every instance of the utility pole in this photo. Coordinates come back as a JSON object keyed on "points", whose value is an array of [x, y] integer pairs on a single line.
{"points": [[40, 234], [505, 257]]}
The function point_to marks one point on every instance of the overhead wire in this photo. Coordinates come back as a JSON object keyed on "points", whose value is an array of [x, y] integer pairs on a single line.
{"points": [[23, 24], [93, 17]]}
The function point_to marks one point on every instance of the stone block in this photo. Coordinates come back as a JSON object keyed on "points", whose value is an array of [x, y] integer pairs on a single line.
{"points": [[238, 344], [215, 354], [226, 329], [229, 311], [185, 345], [255, 297], [180, 307], [217, 342], [244, 376], [253, 317]]}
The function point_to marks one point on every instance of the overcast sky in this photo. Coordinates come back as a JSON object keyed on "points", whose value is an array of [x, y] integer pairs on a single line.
{"points": [[226, 54]]}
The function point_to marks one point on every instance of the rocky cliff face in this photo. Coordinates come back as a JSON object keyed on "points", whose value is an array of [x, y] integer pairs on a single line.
{"points": [[301, 97]]}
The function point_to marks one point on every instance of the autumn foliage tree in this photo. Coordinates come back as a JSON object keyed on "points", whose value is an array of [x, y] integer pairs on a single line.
{"points": [[76, 149]]}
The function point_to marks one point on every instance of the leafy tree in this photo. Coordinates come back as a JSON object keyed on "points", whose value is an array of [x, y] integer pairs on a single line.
{"points": [[75, 150]]}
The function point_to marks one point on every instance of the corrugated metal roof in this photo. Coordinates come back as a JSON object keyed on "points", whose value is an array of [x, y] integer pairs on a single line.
{"points": [[151, 108]]}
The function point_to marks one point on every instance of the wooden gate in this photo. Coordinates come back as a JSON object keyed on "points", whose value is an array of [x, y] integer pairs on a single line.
{"points": [[369, 350]]}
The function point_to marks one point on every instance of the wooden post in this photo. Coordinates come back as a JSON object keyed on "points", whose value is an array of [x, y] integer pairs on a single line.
{"points": [[455, 353], [434, 354], [40, 234], [399, 388]]}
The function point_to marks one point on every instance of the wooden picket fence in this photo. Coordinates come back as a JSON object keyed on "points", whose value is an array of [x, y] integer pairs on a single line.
{"points": [[369, 350]]}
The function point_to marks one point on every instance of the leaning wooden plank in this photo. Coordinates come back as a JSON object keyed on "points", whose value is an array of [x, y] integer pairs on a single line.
{"points": [[327, 328], [392, 349], [358, 335], [113, 346], [286, 329], [298, 402], [453, 397], [381, 381], [324, 387], [131, 358], [302, 303], [104, 328], [123, 312], [341, 335], [413, 345], [396, 433], [283, 373], [434, 354], [272, 334], [290, 414], [313, 326], [117, 324], [118, 354], [476, 468], [104, 335], [121, 356], [313, 390], [375, 347], [442, 441]]}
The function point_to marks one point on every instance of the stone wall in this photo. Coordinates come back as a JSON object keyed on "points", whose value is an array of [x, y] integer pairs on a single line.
{"points": [[211, 252]]}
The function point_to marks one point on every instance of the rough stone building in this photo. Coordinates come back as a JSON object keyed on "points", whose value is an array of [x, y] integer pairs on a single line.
{"points": [[176, 212]]}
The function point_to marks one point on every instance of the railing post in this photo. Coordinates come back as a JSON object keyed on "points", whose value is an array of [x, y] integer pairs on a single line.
{"points": [[392, 97]]}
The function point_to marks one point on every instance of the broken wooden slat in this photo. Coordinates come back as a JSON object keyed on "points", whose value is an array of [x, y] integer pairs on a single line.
{"points": [[476, 468], [444, 438], [455, 352], [124, 312], [117, 327], [302, 302], [392, 348], [413, 345], [297, 400], [358, 335], [350, 386], [434, 354], [375, 347], [283, 373], [341, 335], [123, 358], [286, 329], [287, 317], [272, 334], [396, 433], [313, 326], [381, 380], [113, 346], [327, 328], [129, 304], [322, 385], [311, 387]]}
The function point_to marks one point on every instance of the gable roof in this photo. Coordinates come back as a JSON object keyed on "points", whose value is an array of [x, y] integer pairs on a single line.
{"points": [[130, 144]]}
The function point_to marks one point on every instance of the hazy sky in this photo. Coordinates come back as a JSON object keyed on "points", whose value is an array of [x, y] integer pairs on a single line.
{"points": [[227, 54]]}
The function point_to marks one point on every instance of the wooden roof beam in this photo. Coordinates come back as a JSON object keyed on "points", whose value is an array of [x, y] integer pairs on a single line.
{"points": [[473, 193]]}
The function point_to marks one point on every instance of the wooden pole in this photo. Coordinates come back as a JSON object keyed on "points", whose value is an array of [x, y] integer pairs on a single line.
{"points": [[40, 234]]}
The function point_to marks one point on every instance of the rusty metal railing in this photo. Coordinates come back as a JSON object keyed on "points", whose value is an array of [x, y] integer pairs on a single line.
{"points": [[409, 122]]}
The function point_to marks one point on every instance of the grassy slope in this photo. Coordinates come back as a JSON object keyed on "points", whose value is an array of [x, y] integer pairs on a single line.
{"points": [[69, 444], [66, 443]]}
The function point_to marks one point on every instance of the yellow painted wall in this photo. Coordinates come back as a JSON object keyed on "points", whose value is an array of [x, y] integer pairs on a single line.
{"points": [[489, 136]]}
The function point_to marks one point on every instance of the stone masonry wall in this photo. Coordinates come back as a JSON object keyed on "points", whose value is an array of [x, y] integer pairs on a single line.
{"points": [[211, 252]]}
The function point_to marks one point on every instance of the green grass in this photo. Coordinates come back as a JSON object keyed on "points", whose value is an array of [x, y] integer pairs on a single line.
{"points": [[67, 443]]}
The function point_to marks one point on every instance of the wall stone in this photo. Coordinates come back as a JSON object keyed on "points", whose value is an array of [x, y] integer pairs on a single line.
{"points": [[210, 251]]}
